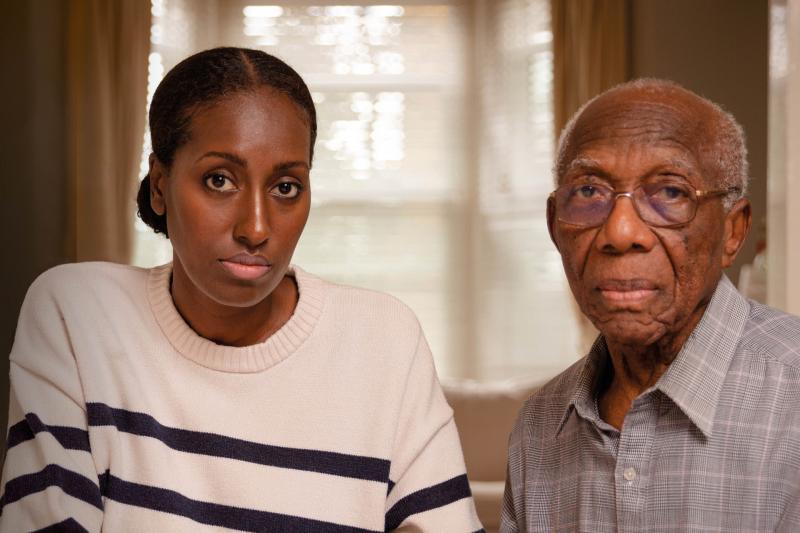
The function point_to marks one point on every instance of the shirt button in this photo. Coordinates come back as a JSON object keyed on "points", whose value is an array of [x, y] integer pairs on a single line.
{"points": [[629, 473]]}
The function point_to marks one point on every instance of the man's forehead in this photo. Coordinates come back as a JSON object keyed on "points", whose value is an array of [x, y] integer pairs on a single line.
{"points": [[634, 117], [645, 119], [587, 161]]}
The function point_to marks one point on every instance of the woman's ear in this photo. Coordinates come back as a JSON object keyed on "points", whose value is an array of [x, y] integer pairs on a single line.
{"points": [[737, 226], [157, 177]]}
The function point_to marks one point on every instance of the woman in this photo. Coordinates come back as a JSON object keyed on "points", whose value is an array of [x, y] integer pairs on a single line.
{"points": [[227, 388]]}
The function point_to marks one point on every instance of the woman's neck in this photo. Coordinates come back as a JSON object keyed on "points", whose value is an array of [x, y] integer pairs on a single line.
{"points": [[233, 326]]}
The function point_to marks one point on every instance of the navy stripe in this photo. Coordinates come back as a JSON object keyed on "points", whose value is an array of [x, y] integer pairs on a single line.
{"points": [[391, 486], [338, 464], [214, 514], [68, 481], [67, 526], [26, 429], [423, 500]]}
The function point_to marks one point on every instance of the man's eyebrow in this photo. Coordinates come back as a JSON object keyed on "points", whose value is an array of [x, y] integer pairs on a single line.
{"points": [[681, 163], [583, 163], [225, 155]]}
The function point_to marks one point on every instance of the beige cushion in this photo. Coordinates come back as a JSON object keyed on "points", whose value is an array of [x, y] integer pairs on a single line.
{"points": [[488, 497], [485, 414]]}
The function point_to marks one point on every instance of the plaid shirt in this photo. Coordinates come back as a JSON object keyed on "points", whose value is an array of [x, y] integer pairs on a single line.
{"points": [[714, 445]]}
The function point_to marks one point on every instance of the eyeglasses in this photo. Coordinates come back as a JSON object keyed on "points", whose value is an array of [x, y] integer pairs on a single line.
{"points": [[659, 203]]}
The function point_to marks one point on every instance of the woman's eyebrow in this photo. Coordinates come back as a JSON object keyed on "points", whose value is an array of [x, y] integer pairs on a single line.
{"points": [[225, 155], [290, 164]]}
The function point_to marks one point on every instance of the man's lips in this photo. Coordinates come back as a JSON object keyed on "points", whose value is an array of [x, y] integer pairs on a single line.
{"points": [[246, 266], [627, 290]]}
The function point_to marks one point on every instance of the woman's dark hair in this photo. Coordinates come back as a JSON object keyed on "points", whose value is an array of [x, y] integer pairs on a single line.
{"points": [[200, 80]]}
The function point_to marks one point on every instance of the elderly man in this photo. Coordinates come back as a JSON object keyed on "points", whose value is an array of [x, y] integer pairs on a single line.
{"points": [[685, 414]]}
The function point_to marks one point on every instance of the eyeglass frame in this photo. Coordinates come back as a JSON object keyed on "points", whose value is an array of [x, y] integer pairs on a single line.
{"points": [[699, 194]]}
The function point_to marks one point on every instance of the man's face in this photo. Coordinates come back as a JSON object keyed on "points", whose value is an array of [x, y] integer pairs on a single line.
{"points": [[638, 283]]}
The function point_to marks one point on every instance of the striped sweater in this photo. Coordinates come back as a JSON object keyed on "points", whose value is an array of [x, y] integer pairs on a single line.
{"points": [[122, 418]]}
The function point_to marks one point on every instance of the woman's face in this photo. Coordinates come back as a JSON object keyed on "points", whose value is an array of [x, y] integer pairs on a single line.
{"points": [[237, 197]]}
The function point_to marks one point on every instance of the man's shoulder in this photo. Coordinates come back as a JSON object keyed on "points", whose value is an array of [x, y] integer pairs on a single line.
{"points": [[773, 334], [545, 408]]}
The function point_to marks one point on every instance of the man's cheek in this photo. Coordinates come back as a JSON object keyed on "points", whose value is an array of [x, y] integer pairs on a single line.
{"points": [[574, 251]]}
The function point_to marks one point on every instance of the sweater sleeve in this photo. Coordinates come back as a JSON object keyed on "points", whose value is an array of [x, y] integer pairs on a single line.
{"points": [[428, 487], [49, 478]]}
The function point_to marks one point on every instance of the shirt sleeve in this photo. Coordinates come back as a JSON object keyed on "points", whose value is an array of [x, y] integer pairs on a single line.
{"points": [[428, 487], [508, 516], [512, 518], [49, 480]]}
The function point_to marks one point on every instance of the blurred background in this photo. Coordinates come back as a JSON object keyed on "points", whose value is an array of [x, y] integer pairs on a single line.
{"points": [[437, 122]]}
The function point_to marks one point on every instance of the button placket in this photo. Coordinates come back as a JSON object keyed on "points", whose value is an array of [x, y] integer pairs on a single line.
{"points": [[634, 452]]}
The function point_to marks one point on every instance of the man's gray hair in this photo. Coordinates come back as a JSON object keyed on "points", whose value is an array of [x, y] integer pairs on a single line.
{"points": [[728, 142]]}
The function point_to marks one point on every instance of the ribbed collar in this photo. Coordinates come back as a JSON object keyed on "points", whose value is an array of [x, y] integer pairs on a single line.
{"points": [[244, 359], [695, 379]]}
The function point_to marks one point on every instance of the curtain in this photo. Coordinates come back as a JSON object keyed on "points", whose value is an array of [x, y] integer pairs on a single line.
{"points": [[590, 51], [590, 55], [107, 48]]}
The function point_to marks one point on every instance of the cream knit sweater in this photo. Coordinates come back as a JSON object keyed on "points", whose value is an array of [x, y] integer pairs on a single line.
{"points": [[122, 418]]}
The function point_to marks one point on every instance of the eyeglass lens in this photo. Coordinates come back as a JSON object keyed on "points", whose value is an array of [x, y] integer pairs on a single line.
{"points": [[659, 203]]}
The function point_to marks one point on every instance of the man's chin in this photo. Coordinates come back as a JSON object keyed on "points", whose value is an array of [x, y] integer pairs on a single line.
{"points": [[630, 329]]}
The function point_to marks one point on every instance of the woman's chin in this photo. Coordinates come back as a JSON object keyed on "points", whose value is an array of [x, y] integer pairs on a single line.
{"points": [[242, 294]]}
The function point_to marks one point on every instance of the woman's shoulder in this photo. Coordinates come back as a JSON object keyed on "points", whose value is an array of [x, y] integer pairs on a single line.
{"points": [[84, 281], [92, 273], [364, 304]]}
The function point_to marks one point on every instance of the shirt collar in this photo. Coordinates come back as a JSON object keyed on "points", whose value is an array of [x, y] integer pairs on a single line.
{"points": [[695, 378], [583, 394]]}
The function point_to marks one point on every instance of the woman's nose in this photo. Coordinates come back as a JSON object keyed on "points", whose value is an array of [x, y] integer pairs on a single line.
{"points": [[252, 228]]}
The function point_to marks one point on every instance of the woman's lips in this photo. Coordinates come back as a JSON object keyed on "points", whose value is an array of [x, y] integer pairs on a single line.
{"points": [[245, 266]]}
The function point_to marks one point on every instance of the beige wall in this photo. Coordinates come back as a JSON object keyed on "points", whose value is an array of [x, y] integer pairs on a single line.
{"points": [[783, 283], [32, 152], [719, 49]]}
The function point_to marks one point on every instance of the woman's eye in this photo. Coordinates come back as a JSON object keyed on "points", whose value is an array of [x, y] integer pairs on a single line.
{"points": [[286, 189], [218, 182]]}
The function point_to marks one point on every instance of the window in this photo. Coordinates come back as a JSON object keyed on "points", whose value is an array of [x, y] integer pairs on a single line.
{"points": [[432, 162]]}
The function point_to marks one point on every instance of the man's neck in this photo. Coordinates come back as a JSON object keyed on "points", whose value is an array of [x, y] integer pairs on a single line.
{"points": [[637, 368]]}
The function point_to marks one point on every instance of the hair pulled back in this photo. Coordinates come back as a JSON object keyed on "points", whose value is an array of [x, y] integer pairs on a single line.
{"points": [[201, 80]]}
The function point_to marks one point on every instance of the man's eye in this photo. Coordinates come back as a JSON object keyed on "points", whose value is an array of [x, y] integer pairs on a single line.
{"points": [[671, 192], [286, 189], [586, 191], [218, 182]]}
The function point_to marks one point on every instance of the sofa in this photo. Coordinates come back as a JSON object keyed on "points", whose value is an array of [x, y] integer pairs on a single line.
{"points": [[485, 413]]}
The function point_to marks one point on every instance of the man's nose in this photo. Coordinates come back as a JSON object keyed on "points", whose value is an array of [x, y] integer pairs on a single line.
{"points": [[252, 226], [624, 230]]}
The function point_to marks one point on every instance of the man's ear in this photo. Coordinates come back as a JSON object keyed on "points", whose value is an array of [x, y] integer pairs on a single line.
{"points": [[158, 176], [737, 226], [551, 219]]}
